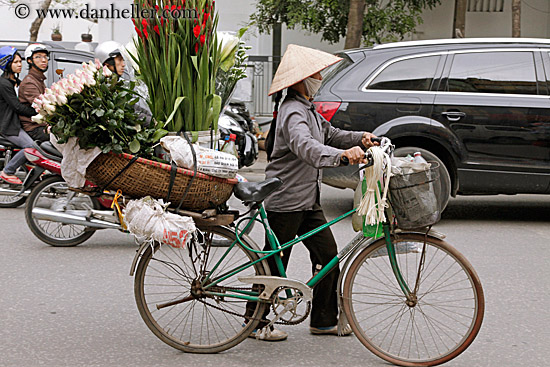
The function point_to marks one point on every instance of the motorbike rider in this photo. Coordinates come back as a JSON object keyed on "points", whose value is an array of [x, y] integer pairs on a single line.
{"points": [[32, 86], [10, 110], [109, 54]]}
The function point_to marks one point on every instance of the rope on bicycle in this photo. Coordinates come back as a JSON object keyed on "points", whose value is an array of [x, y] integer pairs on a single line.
{"points": [[373, 201]]}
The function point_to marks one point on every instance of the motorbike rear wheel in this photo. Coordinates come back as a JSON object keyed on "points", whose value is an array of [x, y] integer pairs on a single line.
{"points": [[52, 193], [10, 200]]}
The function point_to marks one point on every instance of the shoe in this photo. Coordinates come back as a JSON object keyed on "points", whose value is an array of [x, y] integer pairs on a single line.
{"points": [[10, 179], [274, 335], [330, 330]]}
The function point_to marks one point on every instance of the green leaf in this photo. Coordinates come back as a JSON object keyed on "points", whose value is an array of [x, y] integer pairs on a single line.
{"points": [[134, 146], [176, 105], [195, 63], [159, 134]]}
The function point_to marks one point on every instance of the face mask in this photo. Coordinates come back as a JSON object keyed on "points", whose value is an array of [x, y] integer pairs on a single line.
{"points": [[312, 85]]}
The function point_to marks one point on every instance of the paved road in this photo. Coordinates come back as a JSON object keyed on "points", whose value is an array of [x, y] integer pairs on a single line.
{"points": [[75, 306]]}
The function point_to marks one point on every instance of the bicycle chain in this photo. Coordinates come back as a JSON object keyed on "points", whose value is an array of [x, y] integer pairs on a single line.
{"points": [[244, 316]]}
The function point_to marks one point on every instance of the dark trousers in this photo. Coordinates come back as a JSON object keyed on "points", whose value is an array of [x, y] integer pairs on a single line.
{"points": [[322, 248], [39, 134]]}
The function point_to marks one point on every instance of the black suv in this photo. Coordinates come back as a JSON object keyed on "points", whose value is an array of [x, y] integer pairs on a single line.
{"points": [[480, 107]]}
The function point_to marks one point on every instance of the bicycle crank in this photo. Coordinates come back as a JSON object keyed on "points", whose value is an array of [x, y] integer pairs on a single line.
{"points": [[271, 284]]}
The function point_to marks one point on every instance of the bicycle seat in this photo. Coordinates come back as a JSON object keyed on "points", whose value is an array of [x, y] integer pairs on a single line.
{"points": [[255, 192]]}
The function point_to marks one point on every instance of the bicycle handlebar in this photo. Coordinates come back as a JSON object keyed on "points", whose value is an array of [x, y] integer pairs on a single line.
{"points": [[380, 140]]}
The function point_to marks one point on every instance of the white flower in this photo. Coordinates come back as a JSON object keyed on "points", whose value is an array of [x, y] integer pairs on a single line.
{"points": [[37, 118], [228, 46], [49, 108], [61, 99], [37, 103], [129, 52], [106, 71], [49, 97]]}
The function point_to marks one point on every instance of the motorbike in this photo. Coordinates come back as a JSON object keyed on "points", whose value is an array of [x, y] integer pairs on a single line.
{"points": [[246, 142], [12, 196], [58, 215], [64, 217], [239, 108]]}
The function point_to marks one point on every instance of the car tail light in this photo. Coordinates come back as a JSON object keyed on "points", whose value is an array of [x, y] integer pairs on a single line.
{"points": [[327, 109]]}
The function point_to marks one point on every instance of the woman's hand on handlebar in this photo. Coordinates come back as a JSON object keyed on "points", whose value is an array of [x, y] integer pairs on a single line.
{"points": [[369, 140], [354, 155]]}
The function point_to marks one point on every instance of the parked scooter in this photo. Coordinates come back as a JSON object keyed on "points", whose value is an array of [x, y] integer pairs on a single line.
{"points": [[247, 144]]}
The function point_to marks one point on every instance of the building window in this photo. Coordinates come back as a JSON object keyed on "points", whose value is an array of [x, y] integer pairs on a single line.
{"points": [[492, 6]]}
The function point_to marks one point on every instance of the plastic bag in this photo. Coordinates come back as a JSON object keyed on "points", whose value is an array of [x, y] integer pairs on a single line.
{"points": [[147, 219], [358, 222], [209, 161]]}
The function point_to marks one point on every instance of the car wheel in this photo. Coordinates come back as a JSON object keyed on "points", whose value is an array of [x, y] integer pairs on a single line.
{"points": [[443, 172]]}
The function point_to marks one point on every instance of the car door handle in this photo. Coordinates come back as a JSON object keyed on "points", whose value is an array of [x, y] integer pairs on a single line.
{"points": [[453, 115]]}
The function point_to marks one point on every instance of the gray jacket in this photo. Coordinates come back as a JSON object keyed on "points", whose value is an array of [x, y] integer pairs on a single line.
{"points": [[304, 144]]}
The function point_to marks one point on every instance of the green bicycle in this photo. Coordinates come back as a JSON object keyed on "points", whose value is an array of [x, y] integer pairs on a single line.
{"points": [[410, 297]]}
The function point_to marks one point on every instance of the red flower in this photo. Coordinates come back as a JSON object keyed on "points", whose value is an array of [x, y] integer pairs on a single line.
{"points": [[179, 7], [203, 39], [144, 24], [197, 31], [134, 21], [156, 28], [162, 21], [157, 8], [205, 18], [138, 32], [173, 7], [196, 48], [145, 33]]}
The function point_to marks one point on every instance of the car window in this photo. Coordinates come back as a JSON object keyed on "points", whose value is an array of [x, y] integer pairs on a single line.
{"points": [[334, 69], [493, 72], [409, 74], [66, 64]]}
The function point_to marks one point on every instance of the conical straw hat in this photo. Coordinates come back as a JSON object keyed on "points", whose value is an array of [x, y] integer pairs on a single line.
{"points": [[299, 63]]}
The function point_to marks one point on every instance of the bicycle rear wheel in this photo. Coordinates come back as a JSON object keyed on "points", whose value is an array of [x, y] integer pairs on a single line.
{"points": [[446, 317], [200, 323]]}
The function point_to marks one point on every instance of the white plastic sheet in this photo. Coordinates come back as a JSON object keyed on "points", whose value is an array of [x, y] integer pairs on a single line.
{"points": [[75, 160], [147, 219], [209, 161]]}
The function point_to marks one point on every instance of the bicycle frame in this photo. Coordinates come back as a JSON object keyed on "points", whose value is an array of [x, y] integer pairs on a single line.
{"points": [[277, 248]]}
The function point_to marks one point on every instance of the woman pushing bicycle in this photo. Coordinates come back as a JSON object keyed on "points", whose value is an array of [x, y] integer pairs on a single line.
{"points": [[299, 145]]}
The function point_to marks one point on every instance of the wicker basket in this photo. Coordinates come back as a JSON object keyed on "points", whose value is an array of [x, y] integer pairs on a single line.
{"points": [[145, 177]]}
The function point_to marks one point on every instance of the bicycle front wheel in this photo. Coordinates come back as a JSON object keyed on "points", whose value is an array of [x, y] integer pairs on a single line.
{"points": [[443, 321], [179, 311]]}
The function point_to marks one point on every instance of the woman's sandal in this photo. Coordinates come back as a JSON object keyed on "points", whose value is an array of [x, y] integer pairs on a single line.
{"points": [[11, 179]]}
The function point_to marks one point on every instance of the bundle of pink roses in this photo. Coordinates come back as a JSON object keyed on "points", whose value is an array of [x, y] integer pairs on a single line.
{"points": [[57, 94], [95, 106]]}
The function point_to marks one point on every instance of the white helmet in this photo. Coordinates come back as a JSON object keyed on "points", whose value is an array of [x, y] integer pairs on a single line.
{"points": [[35, 47], [107, 50]]}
